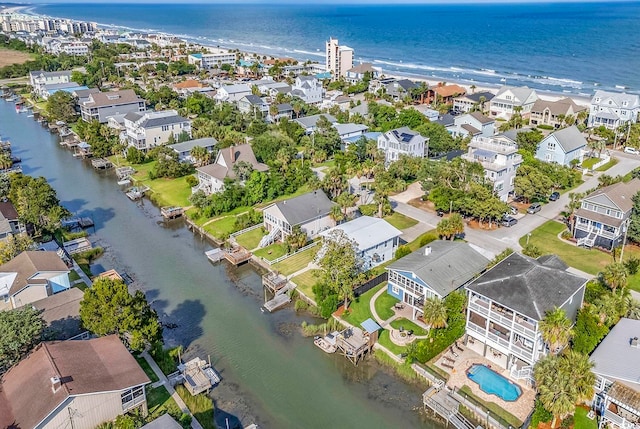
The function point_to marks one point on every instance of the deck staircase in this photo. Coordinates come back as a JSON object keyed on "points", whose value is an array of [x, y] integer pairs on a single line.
{"points": [[589, 240], [524, 373], [270, 238]]}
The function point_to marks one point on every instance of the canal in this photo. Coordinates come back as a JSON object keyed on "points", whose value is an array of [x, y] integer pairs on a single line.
{"points": [[271, 374]]}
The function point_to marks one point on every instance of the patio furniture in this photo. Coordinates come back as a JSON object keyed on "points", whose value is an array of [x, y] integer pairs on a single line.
{"points": [[398, 306]]}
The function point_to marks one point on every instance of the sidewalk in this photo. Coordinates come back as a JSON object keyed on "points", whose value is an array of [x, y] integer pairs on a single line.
{"points": [[82, 275], [165, 381]]}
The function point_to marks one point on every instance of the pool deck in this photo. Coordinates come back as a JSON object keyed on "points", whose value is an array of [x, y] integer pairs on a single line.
{"points": [[520, 408]]}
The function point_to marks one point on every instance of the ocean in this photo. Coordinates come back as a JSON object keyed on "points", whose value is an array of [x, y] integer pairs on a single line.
{"points": [[561, 47]]}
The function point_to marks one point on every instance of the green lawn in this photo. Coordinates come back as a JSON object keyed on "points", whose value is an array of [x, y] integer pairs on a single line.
{"points": [[221, 228], [385, 341], [359, 310], [415, 244], [147, 369], [201, 406], [297, 261], [159, 402], [408, 325], [250, 240], [170, 192], [73, 276], [581, 421], [82, 286], [384, 305], [591, 261], [400, 221], [608, 165], [272, 252], [306, 281], [589, 162]]}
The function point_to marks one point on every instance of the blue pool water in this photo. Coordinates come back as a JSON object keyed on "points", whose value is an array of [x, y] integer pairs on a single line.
{"points": [[493, 383]]}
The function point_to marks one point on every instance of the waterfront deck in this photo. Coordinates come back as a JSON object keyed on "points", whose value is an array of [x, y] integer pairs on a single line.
{"points": [[237, 256], [171, 212], [437, 398], [77, 246], [136, 192], [273, 281], [215, 255], [101, 163], [280, 299], [198, 376]]}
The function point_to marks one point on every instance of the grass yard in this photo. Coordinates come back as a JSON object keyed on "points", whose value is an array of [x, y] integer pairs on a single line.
{"points": [[400, 221], [82, 286], [408, 325], [9, 56], [201, 406], [429, 235], [359, 310], [306, 281], [608, 165], [272, 252], [591, 261], [250, 240], [221, 228], [495, 409], [581, 421], [159, 402], [589, 162], [147, 369], [73, 276], [385, 341], [297, 261], [384, 305], [170, 192]]}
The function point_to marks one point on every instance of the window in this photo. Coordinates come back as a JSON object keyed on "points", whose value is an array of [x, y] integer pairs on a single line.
{"points": [[395, 289], [551, 146], [132, 397]]}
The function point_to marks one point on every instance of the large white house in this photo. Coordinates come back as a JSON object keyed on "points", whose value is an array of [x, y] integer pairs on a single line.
{"points": [[472, 124], [375, 238], [613, 109], [146, 130], [308, 89], [212, 59], [500, 160], [233, 93], [509, 98], [401, 141], [507, 303]]}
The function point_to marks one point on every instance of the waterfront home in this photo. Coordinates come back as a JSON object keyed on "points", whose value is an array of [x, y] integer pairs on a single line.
{"points": [[562, 147], [554, 113], [99, 106], [311, 211], [400, 89], [375, 238], [183, 149], [74, 384], [146, 130], [39, 80], [613, 109], [310, 123], [469, 102], [211, 177], [213, 59], [31, 276], [61, 313], [232, 93], [444, 94], [253, 105], [10, 223], [511, 98], [617, 389], [434, 270], [82, 95], [604, 214], [377, 86], [402, 141], [357, 73], [472, 125], [507, 303], [338, 58], [308, 88], [500, 160]]}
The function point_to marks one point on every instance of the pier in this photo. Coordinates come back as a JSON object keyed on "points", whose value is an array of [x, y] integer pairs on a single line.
{"points": [[280, 299], [101, 163], [274, 281], [237, 256], [171, 212], [437, 399], [136, 192], [197, 375]]}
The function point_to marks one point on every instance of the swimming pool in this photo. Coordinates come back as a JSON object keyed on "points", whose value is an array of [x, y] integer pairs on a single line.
{"points": [[493, 383]]}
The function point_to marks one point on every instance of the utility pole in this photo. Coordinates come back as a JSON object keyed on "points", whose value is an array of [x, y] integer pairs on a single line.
{"points": [[624, 238]]}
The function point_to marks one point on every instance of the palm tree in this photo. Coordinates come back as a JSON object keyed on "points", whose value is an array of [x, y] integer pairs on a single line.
{"points": [[5, 161], [336, 214], [345, 201], [556, 330], [575, 201], [615, 276], [473, 89], [555, 387], [273, 111], [198, 154], [435, 312], [580, 371]]}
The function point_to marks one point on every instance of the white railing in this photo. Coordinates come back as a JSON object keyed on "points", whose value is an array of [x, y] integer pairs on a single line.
{"points": [[525, 355], [475, 328], [619, 420], [478, 308], [282, 258], [242, 231], [525, 373], [498, 340]]}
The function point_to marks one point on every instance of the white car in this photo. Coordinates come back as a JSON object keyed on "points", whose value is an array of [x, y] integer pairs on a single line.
{"points": [[632, 150]]}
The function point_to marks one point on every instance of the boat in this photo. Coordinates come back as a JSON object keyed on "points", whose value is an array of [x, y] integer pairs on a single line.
{"points": [[327, 343], [135, 193], [124, 182]]}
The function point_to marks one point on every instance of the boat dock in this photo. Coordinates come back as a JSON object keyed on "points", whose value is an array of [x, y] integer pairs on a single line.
{"points": [[136, 192], [280, 299], [215, 255], [237, 255], [171, 212], [438, 399], [78, 245], [77, 222], [274, 282], [354, 343], [197, 375], [101, 163]]}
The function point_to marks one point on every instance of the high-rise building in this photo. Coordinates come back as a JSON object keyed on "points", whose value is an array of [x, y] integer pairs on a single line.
{"points": [[339, 58]]}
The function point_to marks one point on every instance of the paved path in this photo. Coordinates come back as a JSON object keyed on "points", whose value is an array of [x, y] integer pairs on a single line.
{"points": [[82, 275], [164, 381]]}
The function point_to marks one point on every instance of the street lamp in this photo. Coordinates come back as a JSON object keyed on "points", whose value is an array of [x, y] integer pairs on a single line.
{"points": [[528, 235]]}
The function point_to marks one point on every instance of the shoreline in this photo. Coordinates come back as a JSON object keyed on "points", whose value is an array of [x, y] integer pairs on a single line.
{"points": [[550, 94]]}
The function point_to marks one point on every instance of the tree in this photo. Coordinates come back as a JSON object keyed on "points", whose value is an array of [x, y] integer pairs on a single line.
{"points": [[20, 331], [36, 202], [61, 107], [435, 312], [531, 182], [556, 330], [633, 232], [528, 140], [13, 245], [297, 238], [340, 265], [109, 308], [615, 276], [346, 201]]}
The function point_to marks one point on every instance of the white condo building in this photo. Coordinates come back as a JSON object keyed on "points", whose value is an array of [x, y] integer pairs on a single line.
{"points": [[212, 59], [339, 58]]}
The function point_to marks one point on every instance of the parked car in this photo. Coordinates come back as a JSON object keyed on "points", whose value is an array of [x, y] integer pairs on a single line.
{"points": [[509, 221], [631, 150], [534, 208], [554, 196]]}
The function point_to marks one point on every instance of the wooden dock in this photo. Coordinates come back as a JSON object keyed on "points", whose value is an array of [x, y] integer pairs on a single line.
{"points": [[438, 399], [77, 246], [237, 256], [274, 281], [280, 299], [215, 255], [101, 163], [198, 376], [171, 212], [136, 192]]}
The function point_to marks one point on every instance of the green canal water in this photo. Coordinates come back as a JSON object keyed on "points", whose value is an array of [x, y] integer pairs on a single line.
{"points": [[271, 375]]}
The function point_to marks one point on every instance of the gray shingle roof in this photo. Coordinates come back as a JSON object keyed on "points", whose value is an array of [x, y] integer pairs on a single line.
{"points": [[615, 357], [569, 139], [254, 99], [113, 98], [305, 207], [163, 120], [188, 145], [450, 265], [311, 121], [620, 194], [529, 286], [476, 96]]}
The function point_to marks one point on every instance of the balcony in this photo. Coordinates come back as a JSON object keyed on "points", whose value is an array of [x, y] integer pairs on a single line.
{"points": [[504, 317], [619, 421]]}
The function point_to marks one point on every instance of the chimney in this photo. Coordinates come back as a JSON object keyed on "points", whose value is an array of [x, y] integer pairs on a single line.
{"points": [[56, 384], [427, 251]]}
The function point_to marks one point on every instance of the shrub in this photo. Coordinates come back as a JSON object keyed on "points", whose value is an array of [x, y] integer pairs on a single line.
{"points": [[368, 209], [402, 251], [566, 235], [531, 250], [546, 127], [540, 415], [428, 238], [632, 264], [192, 181], [588, 332]]}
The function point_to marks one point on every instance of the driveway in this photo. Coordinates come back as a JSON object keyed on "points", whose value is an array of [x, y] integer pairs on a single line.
{"points": [[497, 240]]}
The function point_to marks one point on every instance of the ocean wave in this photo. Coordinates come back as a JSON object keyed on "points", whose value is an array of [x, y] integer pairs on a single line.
{"points": [[316, 54]]}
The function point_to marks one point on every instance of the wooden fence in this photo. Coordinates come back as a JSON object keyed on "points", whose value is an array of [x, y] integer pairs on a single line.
{"points": [[371, 284]]}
